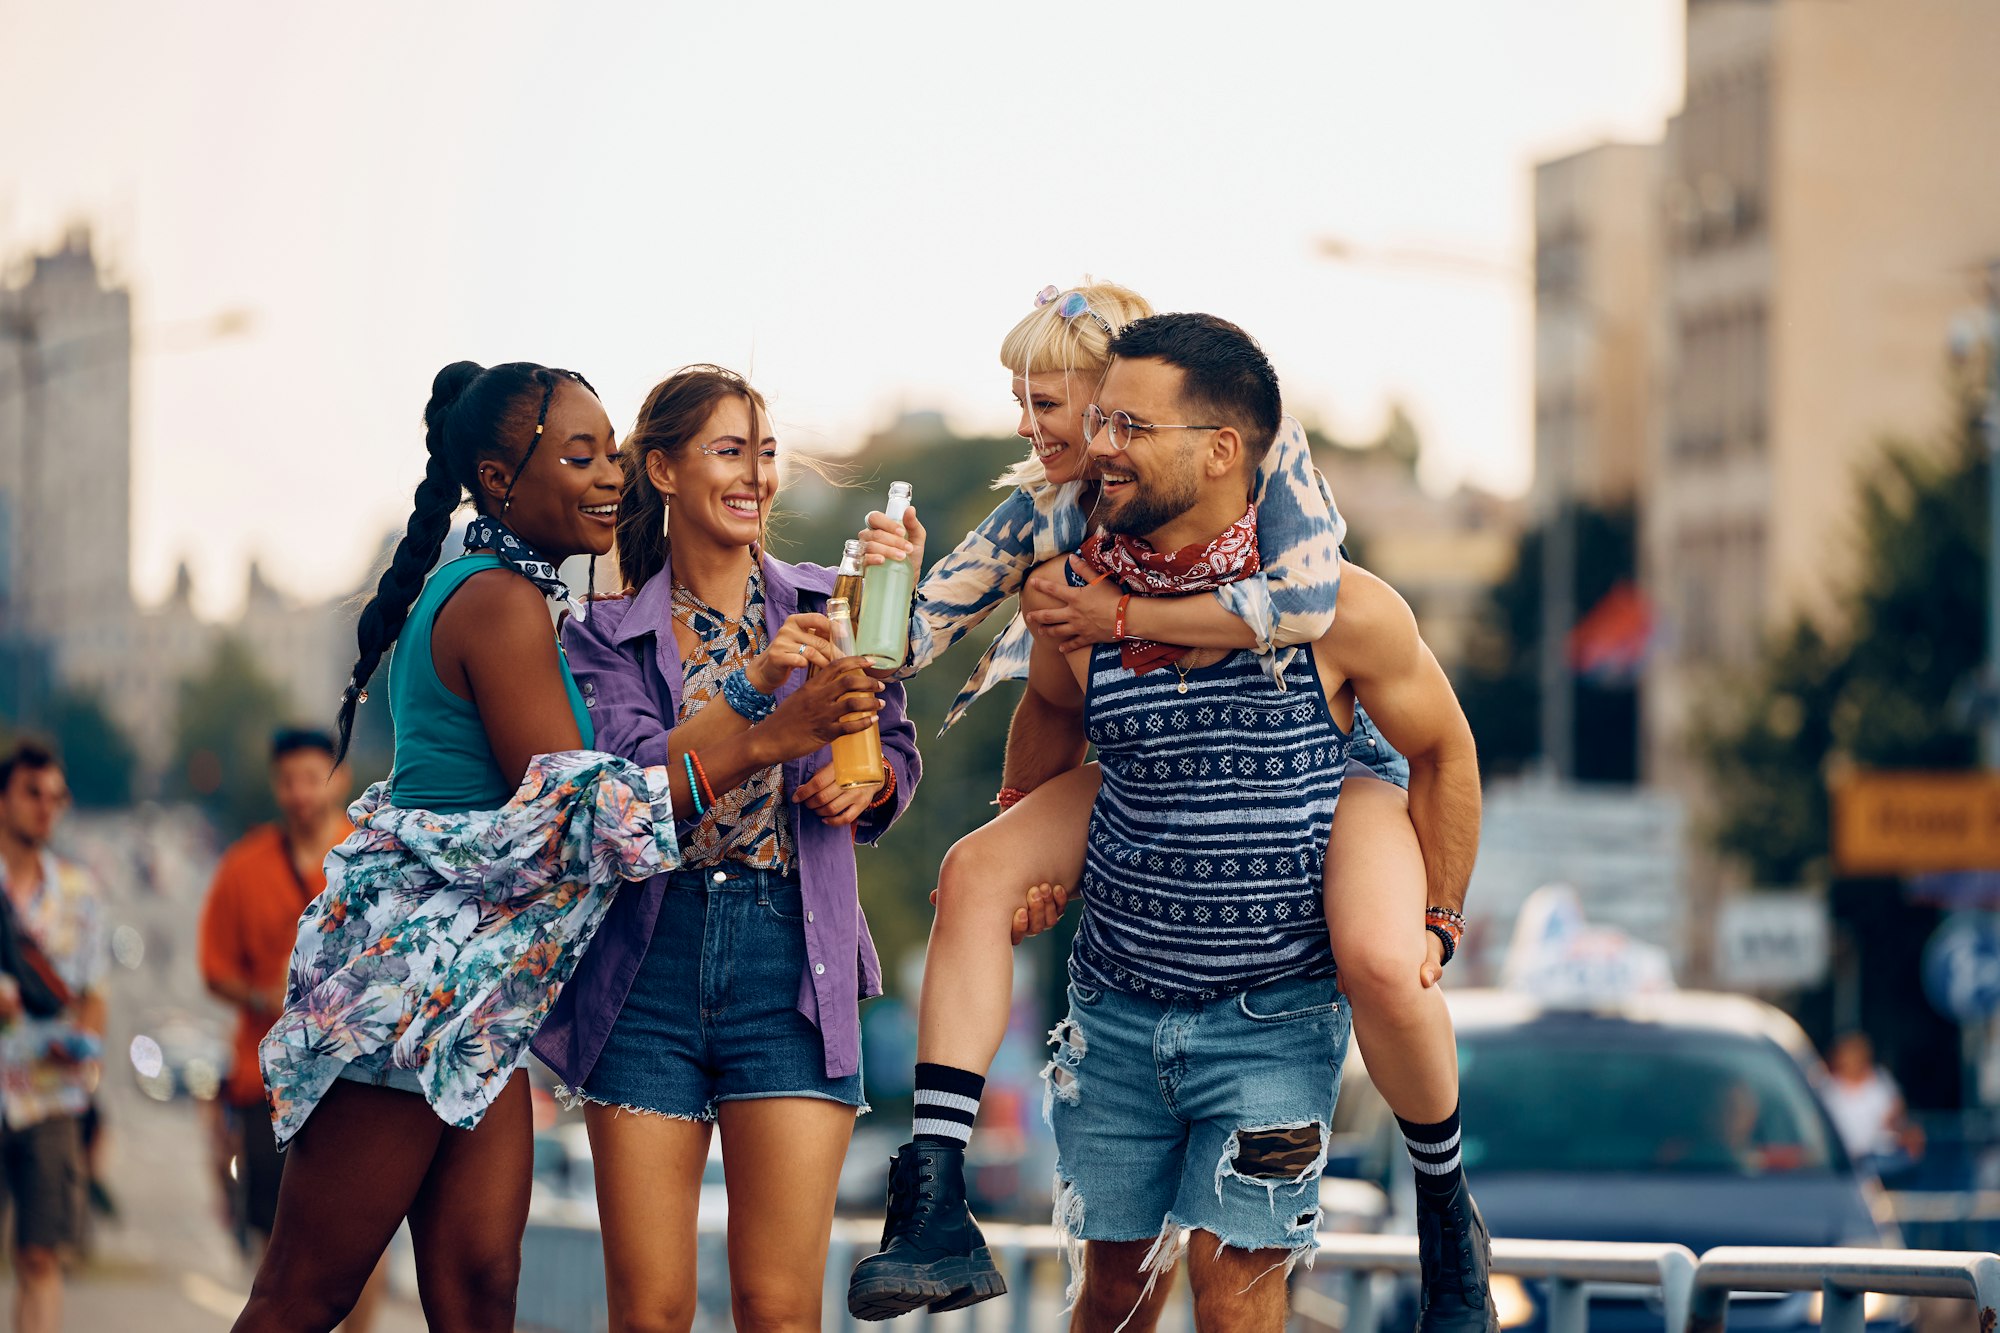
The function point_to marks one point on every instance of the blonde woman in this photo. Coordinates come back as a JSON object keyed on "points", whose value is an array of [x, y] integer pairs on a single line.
{"points": [[1380, 864]]}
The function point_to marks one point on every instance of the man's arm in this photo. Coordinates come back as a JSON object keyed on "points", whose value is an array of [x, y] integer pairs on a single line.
{"points": [[1045, 739], [1375, 644]]}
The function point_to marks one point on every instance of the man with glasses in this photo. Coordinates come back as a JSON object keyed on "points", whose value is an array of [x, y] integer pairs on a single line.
{"points": [[1193, 1081], [52, 1014]]}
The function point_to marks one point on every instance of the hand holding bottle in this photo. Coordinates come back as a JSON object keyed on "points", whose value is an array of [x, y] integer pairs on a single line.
{"points": [[803, 640], [840, 700], [886, 539]]}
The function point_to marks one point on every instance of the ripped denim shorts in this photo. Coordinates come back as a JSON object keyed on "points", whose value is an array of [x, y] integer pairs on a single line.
{"points": [[1208, 1115]]}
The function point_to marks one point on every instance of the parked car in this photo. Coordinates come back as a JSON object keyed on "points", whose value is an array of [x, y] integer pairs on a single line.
{"points": [[1679, 1117]]}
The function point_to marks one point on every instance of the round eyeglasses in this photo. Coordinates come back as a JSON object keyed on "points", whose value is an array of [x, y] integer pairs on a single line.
{"points": [[1123, 426]]}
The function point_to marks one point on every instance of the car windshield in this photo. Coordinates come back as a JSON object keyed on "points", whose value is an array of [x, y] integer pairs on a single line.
{"points": [[1593, 1095]]}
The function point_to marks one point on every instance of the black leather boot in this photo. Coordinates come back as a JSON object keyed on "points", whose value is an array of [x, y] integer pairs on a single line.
{"points": [[1457, 1257], [932, 1253]]}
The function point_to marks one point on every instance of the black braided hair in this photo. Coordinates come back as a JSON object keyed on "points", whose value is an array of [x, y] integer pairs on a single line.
{"points": [[475, 413]]}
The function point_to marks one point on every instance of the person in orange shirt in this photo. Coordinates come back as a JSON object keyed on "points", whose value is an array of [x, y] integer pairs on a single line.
{"points": [[248, 927]]}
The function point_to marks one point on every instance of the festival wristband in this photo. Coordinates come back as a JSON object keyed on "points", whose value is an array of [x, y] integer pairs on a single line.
{"points": [[1118, 620]]}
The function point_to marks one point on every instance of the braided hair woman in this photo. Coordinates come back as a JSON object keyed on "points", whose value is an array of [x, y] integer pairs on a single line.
{"points": [[396, 1104]]}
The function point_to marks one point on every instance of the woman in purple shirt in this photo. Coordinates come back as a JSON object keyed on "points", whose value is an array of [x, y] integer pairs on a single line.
{"points": [[727, 991]]}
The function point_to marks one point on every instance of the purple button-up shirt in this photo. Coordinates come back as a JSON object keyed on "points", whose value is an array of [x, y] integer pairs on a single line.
{"points": [[628, 665]]}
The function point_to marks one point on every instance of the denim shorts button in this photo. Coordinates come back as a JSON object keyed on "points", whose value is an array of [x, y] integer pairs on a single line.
{"points": [[721, 876], [819, 969]]}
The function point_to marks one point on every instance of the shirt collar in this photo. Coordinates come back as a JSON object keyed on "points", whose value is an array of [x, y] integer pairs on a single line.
{"points": [[652, 606]]}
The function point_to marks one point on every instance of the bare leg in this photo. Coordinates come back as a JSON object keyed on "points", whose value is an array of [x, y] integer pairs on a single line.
{"points": [[467, 1220], [1375, 898], [781, 1158], [969, 967], [1236, 1291], [353, 1172], [38, 1290], [362, 1317], [648, 1170], [1114, 1289]]}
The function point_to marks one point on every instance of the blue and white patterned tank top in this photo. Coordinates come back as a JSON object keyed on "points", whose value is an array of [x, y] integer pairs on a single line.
{"points": [[1207, 846]]}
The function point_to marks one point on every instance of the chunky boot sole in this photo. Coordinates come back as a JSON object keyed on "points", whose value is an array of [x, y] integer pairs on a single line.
{"points": [[883, 1289]]}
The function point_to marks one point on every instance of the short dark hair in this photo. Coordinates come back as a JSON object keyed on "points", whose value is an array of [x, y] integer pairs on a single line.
{"points": [[1227, 375], [27, 756], [291, 740]]}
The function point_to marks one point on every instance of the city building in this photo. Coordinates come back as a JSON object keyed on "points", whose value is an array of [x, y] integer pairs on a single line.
{"points": [[1596, 277], [1826, 216], [65, 464], [67, 616]]}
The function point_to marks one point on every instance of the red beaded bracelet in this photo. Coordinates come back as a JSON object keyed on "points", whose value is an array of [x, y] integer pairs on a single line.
{"points": [[1009, 797], [888, 788], [707, 791]]}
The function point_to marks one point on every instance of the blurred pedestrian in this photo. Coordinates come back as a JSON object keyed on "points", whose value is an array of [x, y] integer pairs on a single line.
{"points": [[1867, 1107], [53, 953], [248, 927]]}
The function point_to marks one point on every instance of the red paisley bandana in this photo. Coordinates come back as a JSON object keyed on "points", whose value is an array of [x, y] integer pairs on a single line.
{"points": [[1201, 567]]}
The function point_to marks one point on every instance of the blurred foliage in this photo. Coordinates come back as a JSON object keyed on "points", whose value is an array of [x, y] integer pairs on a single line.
{"points": [[99, 759], [228, 713], [1886, 687], [1500, 684]]}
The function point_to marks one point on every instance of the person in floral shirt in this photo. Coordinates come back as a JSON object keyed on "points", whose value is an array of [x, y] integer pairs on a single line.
{"points": [[49, 1066]]}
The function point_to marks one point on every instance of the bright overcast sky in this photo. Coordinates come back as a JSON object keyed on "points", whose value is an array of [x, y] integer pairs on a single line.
{"points": [[853, 201]]}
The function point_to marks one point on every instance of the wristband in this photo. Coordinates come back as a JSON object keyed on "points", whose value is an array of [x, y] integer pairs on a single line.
{"points": [[1118, 620], [694, 786], [747, 699], [1009, 797], [1444, 938]]}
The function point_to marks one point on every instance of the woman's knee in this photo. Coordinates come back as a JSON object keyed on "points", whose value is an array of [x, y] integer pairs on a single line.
{"points": [[472, 1290], [673, 1314], [1382, 975], [777, 1308], [972, 877]]}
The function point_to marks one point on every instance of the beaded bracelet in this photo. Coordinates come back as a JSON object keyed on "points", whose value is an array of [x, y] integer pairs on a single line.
{"points": [[888, 791], [1444, 938], [694, 785], [1009, 797], [747, 699], [707, 787], [1446, 917]]}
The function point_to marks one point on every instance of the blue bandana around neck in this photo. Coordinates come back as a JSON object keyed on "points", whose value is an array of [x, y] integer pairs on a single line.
{"points": [[490, 534]]}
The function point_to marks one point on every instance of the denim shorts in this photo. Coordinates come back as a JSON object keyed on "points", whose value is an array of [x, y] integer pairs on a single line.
{"points": [[376, 1071], [712, 1014], [1210, 1115], [1368, 753]]}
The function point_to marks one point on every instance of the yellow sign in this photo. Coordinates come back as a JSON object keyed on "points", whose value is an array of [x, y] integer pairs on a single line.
{"points": [[1914, 823]]}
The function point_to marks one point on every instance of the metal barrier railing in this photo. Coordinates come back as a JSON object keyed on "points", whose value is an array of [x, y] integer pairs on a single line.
{"points": [[1694, 1294], [1843, 1278], [1574, 1271]]}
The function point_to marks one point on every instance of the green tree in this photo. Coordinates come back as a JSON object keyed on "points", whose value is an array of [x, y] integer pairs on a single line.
{"points": [[1500, 686], [228, 713], [98, 756], [1878, 691]]}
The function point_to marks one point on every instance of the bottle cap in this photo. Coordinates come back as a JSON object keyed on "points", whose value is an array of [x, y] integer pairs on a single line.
{"points": [[899, 500]]}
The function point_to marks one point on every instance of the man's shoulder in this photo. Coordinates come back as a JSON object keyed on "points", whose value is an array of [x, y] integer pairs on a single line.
{"points": [[259, 844]]}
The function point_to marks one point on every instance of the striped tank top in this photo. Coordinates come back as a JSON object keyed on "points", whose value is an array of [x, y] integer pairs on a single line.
{"points": [[1207, 846]]}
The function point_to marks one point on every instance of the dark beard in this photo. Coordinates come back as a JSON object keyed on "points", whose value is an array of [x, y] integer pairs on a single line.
{"points": [[1152, 508]]}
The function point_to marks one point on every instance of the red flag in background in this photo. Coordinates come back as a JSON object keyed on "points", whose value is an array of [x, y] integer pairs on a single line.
{"points": [[1611, 643]]}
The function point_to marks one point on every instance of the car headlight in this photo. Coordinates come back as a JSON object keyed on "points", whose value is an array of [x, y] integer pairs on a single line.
{"points": [[1875, 1307], [1512, 1305]]}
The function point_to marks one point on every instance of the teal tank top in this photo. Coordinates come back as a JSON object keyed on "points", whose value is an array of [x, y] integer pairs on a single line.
{"points": [[443, 762]]}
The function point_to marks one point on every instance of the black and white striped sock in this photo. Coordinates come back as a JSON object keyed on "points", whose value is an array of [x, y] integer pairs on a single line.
{"points": [[947, 1103], [1434, 1153]]}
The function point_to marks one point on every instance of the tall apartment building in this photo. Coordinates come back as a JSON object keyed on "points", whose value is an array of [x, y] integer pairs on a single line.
{"points": [[1596, 277], [1827, 204], [66, 459]]}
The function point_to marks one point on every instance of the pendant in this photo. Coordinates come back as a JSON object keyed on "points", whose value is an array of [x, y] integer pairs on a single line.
{"points": [[1182, 688]]}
